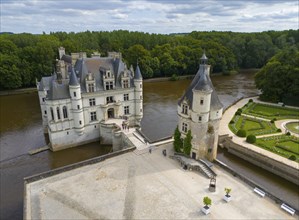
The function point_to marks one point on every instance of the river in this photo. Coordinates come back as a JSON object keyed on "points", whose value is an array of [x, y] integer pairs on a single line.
{"points": [[21, 131]]}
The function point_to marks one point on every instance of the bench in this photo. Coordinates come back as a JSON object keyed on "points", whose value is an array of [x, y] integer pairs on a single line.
{"points": [[288, 208], [260, 192]]}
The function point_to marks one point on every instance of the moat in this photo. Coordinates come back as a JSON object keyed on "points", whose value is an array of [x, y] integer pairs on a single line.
{"points": [[21, 131]]}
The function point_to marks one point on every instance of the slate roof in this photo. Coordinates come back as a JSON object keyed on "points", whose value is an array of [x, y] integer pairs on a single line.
{"points": [[73, 78], [202, 82], [67, 58], [137, 73], [58, 90]]}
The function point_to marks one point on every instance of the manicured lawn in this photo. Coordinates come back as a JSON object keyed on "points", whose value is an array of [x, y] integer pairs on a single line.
{"points": [[293, 126], [252, 126], [282, 145], [269, 111]]}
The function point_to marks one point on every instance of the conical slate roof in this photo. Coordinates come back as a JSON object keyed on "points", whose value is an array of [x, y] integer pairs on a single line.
{"points": [[203, 84], [137, 73], [73, 78]]}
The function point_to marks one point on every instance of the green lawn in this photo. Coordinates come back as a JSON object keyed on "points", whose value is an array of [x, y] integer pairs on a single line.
{"points": [[269, 111], [252, 126], [282, 145], [293, 126]]}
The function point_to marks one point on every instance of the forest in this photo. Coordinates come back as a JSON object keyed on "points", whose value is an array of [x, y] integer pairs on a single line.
{"points": [[26, 57]]}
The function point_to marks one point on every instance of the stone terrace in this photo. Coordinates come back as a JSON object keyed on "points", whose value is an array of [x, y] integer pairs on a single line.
{"points": [[146, 186]]}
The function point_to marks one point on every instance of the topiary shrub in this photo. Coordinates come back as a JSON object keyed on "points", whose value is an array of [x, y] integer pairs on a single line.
{"points": [[250, 100], [292, 157], [231, 122], [278, 130], [288, 133], [251, 139], [238, 113], [241, 133]]}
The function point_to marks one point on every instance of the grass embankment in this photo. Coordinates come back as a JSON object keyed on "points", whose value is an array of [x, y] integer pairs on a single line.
{"points": [[258, 119]]}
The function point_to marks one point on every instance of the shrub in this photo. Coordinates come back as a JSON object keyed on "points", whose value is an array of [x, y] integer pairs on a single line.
{"points": [[251, 139], [238, 113], [174, 77], [288, 133], [250, 100], [241, 133], [207, 201], [292, 157], [231, 122], [239, 110], [278, 130]]}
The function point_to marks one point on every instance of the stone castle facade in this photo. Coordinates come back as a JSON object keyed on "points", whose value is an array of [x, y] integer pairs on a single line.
{"points": [[200, 111], [84, 93]]}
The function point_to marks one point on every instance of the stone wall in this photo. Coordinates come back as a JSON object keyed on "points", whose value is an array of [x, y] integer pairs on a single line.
{"points": [[291, 173]]}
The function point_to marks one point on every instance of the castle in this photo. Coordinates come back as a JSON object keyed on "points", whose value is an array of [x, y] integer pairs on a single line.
{"points": [[200, 111], [84, 93]]}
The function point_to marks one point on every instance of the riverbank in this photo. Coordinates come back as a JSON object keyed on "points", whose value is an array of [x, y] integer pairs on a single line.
{"points": [[18, 91]]}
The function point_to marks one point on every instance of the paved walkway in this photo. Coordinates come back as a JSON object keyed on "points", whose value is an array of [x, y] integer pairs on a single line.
{"points": [[147, 186], [224, 130]]}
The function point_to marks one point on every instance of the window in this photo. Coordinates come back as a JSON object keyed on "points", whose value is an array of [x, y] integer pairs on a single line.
{"points": [[140, 86], [126, 110], [185, 109], [184, 127], [64, 110], [91, 87], [43, 99], [80, 122], [78, 106], [199, 118], [93, 116], [109, 99], [126, 97], [141, 97], [45, 112], [92, 102], [141, 110], [58, 113], [109, 85], [75, 94], [126, 84], [201, 101], [52, 113]]}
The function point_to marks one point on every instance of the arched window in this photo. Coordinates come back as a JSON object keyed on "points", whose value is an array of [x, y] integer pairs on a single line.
{"points": [[64, 109], [58, 113], [52, 113]]}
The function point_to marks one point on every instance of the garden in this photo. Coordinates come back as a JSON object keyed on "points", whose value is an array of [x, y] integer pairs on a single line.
{"points": [[255, 119], [283, 145]]}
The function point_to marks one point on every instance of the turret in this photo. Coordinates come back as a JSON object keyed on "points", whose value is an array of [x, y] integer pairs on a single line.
{"points": [[42, 94], [138, 95], [77, 105], [61, 52]]}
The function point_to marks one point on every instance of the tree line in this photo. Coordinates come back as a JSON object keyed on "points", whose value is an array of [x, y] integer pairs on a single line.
{"points": [[27, 57]]}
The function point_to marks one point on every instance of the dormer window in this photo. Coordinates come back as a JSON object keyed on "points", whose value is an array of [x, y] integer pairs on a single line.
{"points": [[185, 109], [91, 87], [125, 84], [109, 85], [108, 73]]}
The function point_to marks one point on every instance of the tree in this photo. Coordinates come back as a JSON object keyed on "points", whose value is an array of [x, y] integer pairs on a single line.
{"points": [[187, 143], [177, 143], [207, 201], [9, 72], [279, 78]]}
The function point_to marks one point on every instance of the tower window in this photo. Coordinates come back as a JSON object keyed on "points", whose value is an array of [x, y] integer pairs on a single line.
{"points": [[64, 110], [78, 106], [80, 122], [126, 97], [185, 109], [93, 116], [199, 118], [92, 102], [201, 101], [184, 127], [43, 99], [126, 110], [75, 95], [52, 113], [58, 113], [45, 112]]}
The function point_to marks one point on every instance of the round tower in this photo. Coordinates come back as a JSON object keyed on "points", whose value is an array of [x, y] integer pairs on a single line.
{"points": [[138, 96], [77, 106], [202, 92]]}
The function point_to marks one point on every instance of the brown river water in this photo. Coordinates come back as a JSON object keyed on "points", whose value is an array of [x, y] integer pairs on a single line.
{"points": [[21, 131]]}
